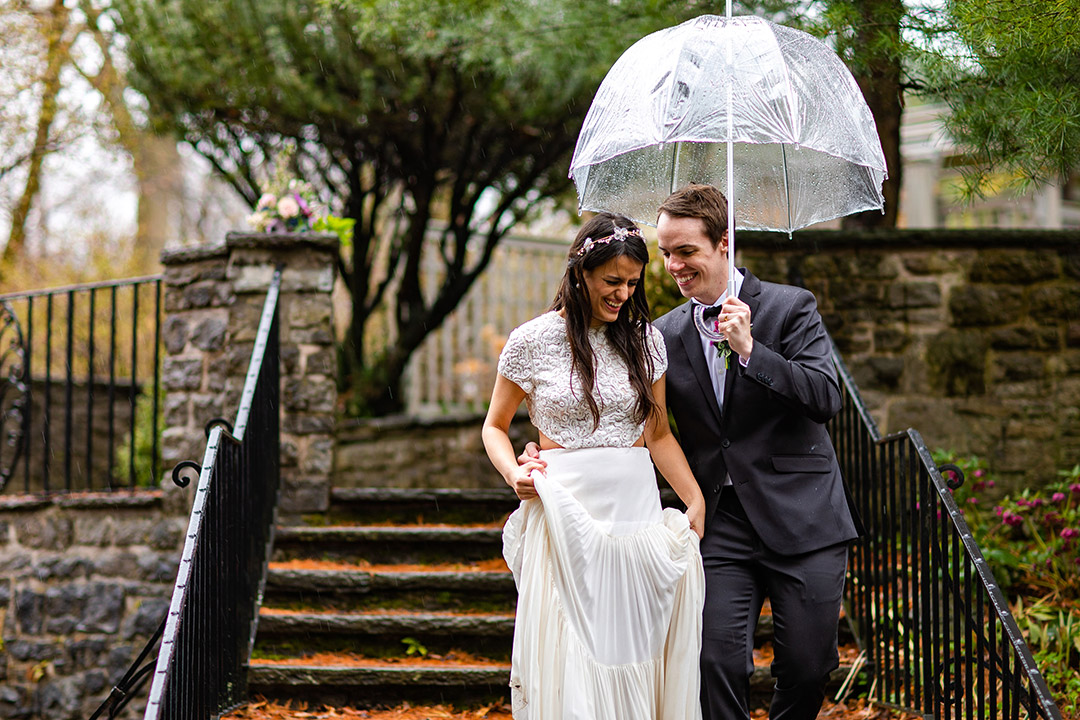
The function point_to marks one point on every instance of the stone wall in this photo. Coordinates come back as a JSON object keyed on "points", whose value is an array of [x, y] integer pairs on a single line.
{"points": [[213, 301], [444, 452], [84, 583], [970, 337]]}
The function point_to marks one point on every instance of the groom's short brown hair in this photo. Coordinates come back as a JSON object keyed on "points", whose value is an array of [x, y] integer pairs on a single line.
{"points": [[700, 201]]}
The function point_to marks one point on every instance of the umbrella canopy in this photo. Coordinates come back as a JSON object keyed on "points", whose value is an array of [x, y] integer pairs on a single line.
{"points": [[805, 147]]}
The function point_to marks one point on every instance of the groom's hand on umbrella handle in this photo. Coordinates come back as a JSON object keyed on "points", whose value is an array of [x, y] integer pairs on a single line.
{"points": [[734, 322]]}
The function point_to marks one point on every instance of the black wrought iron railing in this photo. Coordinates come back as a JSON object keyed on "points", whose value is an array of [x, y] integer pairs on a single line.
{"points": [[935, 627], [201, 667], [80, 387]]}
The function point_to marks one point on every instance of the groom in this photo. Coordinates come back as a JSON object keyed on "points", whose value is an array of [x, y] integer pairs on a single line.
{"points": [[777, 523]]}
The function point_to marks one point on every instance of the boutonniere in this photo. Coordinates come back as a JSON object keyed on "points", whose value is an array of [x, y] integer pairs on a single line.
{"points": [[723, 349]]}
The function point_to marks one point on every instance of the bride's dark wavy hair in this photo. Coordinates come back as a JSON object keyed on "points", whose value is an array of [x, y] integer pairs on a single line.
{"points": [[629, 333]]}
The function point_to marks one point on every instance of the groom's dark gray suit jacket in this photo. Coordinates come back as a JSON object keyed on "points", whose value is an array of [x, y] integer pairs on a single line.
{"points": [[770, 436]]}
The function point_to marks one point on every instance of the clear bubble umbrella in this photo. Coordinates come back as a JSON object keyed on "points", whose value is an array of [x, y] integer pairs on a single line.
{"points": [[769, 114]]}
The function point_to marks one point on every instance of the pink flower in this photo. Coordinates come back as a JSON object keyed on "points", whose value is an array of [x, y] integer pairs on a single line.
{"points": [[1069, 533], [989, 483], [973, 501], [1012, 519], [978, 486], [980, 473], [999, 510], [1058, 497], [287, 207], [1075, 488], [1036, 502]]}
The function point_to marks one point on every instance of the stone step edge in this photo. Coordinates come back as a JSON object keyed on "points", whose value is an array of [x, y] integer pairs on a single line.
{"points": [[378, 533], [260, 675], [367, 581], [374, 623], [343, 675], [495, 625]]}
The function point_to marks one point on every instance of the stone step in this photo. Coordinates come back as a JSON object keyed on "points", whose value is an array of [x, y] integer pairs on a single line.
{"points": [[389, 543], [273, 622], [434, 505], [358, 588], [369, 682], [383, 634], [381, 683], [407, 505]]}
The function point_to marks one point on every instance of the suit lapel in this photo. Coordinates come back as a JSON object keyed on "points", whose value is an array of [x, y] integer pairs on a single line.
{"points": [[692, 345]]}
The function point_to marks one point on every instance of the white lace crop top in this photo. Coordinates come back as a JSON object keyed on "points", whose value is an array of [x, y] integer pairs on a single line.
{"points": [[537, 358]]}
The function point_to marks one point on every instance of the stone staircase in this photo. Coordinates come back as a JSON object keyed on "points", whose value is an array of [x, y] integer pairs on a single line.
{"points": [[400, 595]]}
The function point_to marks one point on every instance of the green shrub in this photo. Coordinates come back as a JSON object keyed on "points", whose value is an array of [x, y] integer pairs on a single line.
{"points": [[1032, 544]]}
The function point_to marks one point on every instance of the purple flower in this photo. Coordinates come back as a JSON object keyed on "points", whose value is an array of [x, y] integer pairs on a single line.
{"points": [[304, 207], [1036, 502], [1058, 497], [1069, 533], [1075, 488]]}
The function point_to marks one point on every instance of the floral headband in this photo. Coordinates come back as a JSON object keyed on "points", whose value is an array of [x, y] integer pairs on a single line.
{"points": [[620, 234]]}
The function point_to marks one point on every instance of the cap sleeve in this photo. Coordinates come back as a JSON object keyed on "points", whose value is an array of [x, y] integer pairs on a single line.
{"points": [[515, 360], [659, 352]]}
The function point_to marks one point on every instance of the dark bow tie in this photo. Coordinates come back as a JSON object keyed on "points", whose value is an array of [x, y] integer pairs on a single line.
{"points": [[712, 312]]}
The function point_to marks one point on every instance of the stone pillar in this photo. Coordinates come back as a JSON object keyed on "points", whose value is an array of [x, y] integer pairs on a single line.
{"points": [[213, 301]]}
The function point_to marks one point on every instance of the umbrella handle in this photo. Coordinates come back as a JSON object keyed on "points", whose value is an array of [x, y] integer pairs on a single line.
{"points": [[703, 327]]}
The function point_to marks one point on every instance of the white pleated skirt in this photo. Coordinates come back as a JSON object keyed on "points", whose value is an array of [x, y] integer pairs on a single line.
{"points": [[610, 592]]}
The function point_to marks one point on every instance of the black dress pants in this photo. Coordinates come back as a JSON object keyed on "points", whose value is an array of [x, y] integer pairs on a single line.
{"points": [[805, 593]]}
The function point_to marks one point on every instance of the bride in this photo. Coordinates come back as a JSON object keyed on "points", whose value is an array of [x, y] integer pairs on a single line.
{"points": [[610, 586]]}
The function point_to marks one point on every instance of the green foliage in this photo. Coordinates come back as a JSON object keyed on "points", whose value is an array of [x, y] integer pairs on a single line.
{"points": [[1008, 74], [1032, 544], [342, 227], [434, 124], [1052, 631], [1031, 541], [660, 288], [414, 647]]}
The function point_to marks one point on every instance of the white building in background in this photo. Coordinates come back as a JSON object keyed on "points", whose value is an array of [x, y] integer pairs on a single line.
{"points": [[931, 173]]}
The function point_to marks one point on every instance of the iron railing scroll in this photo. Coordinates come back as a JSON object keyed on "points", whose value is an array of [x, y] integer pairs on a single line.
{"points": [[936, 629], [201, 668], [84, 382]]}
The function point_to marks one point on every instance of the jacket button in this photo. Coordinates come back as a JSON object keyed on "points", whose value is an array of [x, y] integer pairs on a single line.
{"points": [[716, 489], [725, 443]]}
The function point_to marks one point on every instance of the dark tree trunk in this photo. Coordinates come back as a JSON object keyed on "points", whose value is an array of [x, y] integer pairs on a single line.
{"points": [[876, 60]]}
